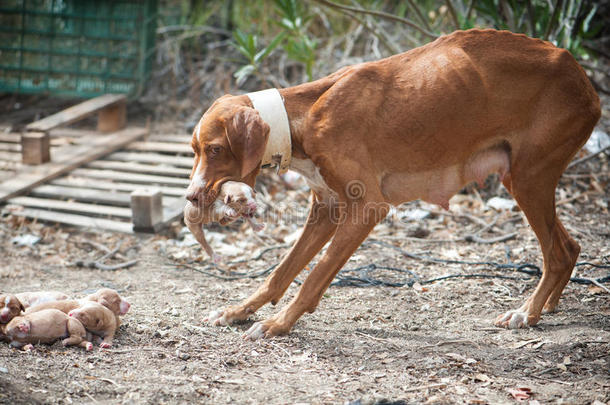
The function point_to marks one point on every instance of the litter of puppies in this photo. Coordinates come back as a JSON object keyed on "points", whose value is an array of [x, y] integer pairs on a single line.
{"points": [[45, 317]]}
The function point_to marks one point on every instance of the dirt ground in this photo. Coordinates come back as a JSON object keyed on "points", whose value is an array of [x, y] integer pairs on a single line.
{"points": [[417, 343]]}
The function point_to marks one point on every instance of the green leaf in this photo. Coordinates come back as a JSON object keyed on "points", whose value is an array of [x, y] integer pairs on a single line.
{"points": [[243, 73], [587, 21], [267, 50]]}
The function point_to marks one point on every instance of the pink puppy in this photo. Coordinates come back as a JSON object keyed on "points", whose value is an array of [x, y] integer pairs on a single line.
{"points": [[29, 299], [12, 305], [111, 300], [105, 296], [46, 327], [235, 200], [98, 320]]}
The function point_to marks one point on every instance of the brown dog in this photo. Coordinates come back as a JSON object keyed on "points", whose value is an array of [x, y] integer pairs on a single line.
{"points": [[46, 327], [235, 200], [98, 320], [421, 124]]}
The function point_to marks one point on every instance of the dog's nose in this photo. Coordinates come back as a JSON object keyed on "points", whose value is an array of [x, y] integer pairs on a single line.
{"points": [[192, 197]]}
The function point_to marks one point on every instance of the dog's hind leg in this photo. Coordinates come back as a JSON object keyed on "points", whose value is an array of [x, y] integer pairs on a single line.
{"points": [[532, 182], [318, 230]]}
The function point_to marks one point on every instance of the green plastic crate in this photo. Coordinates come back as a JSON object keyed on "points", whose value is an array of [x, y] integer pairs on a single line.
{"points": [[80, 48]]}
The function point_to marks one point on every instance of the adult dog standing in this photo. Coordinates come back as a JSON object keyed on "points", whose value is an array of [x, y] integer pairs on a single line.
{"points": [[421, 124]]}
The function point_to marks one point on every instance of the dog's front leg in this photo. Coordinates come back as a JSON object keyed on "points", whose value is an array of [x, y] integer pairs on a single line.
{"points": [[349, 235], [318, 230]]}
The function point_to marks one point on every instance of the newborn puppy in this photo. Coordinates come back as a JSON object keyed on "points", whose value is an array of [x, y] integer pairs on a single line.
{"points": [[46, 327], [111, 300], [98, 320], [235, 200], [10, 307], [29, 299], [105, 296]]}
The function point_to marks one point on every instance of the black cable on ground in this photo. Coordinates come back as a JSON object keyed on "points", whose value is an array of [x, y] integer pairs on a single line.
{"points": [[363, 277]]}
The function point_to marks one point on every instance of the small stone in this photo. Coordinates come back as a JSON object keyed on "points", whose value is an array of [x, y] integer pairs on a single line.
{"points": [[183, 356]]}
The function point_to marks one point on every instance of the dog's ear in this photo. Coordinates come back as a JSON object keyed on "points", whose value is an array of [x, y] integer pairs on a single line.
{"points": [[247, 134]]}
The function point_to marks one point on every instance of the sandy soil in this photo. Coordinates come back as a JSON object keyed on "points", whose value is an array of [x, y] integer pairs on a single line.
{"points": [[425, 343]]}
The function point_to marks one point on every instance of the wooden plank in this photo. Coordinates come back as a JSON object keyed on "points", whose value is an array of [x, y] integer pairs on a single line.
{"points": [[72, 133], [82, 194], [113, 117], [71, 206], [146, 210], [76, 113], [73, 219], [35, 148], [139, 168], [72, 181], [10, 156], [165, 147], [185, 139], [5, 174], [9, 166], [11, 138], [10, 147], [178, 161], [131, 177], [67, 159]]}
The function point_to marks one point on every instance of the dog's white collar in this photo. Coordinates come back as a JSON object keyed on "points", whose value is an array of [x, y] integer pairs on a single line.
{"points": [[270, 106]]}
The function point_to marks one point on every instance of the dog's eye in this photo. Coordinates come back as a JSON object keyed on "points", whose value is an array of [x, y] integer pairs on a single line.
{"points": [[213, 150]]}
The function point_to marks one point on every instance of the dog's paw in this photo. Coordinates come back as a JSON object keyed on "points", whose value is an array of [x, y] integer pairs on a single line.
{"points": [[266, 329], [256, 331], [24, 327], [513, 320], [218, 318]]}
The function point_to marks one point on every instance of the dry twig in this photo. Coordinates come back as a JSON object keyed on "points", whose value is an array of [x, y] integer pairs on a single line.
{"points": [[379, 14]]}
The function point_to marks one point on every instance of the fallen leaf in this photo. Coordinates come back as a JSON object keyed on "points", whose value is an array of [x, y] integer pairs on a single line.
{"points": [[595, 290], [457, 357], [482, 377], [519, 345], [520, 393], [539, 345], [419, 288]]}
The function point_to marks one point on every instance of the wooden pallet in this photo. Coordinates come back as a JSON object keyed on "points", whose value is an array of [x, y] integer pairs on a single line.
{"points": [[98, 193], [105, 179]]}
